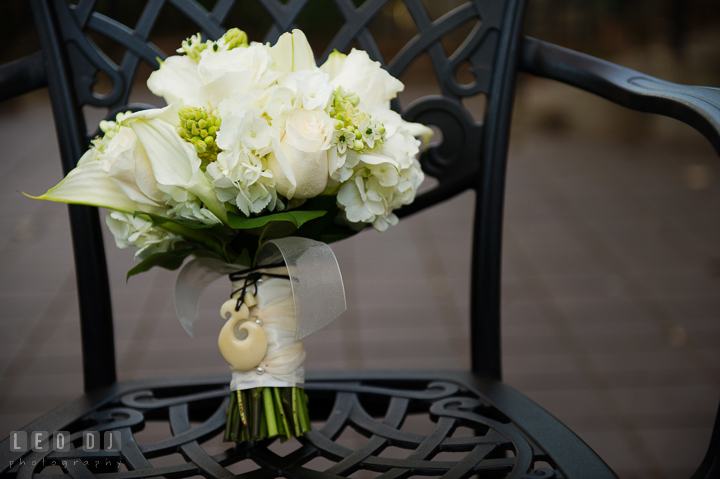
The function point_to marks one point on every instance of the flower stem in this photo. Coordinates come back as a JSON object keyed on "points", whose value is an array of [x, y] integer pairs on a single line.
{"points": [[197, 236], [278, 403], [269, 413], [304, 413], [260, 243], [257, 402], [230, 413], [241, 409], [296, 420]]}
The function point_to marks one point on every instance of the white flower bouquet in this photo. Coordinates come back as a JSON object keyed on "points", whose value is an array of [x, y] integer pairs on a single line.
{"points": [[257, 143]]}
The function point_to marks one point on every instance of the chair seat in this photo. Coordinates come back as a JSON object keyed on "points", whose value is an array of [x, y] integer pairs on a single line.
{"points": [[438, 423]]}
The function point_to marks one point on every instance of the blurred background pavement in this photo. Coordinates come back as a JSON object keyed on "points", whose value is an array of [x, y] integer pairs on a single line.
{"points": [[611, 253]]}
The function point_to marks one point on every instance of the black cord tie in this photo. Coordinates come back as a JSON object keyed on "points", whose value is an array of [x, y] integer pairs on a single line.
{"points": [[251, 277]]}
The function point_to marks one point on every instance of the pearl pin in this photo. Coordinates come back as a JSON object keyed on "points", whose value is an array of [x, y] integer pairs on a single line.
{"points": [[258, 322], [260, 370]]}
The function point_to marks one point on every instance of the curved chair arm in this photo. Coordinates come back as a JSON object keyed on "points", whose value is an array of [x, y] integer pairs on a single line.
{"points": [[697, 106], [22, 76]]}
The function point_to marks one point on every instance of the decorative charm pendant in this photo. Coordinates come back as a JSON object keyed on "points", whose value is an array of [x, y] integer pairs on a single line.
{"points": [[258, 341], [245, 348]]}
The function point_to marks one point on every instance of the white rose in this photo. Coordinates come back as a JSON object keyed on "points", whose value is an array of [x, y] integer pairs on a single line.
{"points": [[236, 71], [308, 130], [176, 79], [246, 101], [359, 74], [299, 160]]}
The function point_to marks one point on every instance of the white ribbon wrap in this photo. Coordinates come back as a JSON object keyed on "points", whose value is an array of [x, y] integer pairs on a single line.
{"points": [[289, 310], [282, 365]]}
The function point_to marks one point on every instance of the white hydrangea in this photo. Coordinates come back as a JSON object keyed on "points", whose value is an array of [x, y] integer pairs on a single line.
{"points": [[381, 179], [365, 199], [243, 179], [311, 87], [240, 174], [141, 233], [184, 205]]}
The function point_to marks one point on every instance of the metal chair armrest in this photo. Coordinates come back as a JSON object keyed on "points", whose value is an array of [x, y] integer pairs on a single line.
{"points": [[697, 106], [22, 76]]}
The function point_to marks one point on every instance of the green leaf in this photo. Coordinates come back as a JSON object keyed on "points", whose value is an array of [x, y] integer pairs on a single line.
{"points": [[298, 218], [160, 220], [171, 260]]}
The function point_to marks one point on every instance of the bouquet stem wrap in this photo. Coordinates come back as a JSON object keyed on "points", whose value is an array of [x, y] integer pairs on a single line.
{"points": [[275, 312], [291, 302]]}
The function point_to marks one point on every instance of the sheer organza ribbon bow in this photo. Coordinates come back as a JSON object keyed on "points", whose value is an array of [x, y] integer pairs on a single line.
{"points": [[315, 279]]}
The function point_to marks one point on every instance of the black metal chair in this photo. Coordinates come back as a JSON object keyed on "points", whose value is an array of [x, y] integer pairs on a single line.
{"points": [[513, 436]]}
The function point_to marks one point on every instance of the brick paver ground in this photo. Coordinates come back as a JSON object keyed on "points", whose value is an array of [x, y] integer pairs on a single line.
{"points": [[611, 293]]}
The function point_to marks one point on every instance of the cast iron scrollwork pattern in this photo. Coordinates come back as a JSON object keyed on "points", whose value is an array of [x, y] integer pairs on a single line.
{"points": [[376, 410], [453, 162]]}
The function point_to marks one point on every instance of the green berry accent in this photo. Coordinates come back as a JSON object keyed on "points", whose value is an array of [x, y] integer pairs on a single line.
{"points": [[199, 128], [235, 38]]}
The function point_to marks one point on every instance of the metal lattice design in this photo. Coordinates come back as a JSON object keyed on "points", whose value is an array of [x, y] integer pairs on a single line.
{"points": [[461, 148], [496, 449]]}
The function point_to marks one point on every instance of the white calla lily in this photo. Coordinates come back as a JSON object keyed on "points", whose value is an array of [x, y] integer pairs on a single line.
{"points": [[174, 162], [333, 64], [89, 184], [292, 52], [128, 167]]}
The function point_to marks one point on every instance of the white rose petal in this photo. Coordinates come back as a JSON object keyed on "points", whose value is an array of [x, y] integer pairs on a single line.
{"points": [[309, 131], [298, 174], [234, 72], [366, 78], [176, 79]]}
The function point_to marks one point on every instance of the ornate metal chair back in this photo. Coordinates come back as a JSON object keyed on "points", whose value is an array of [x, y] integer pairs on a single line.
{"points": [[471, 154]]}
